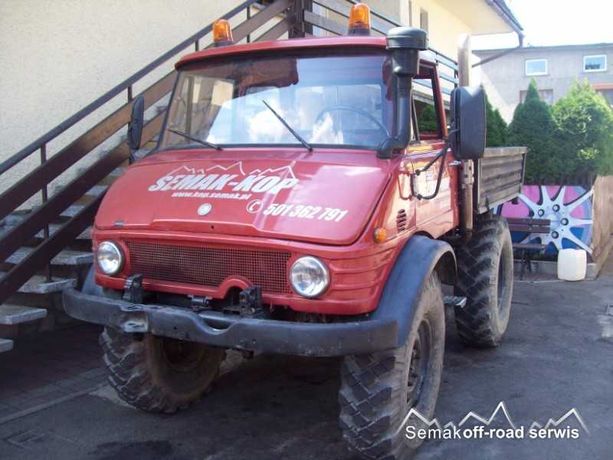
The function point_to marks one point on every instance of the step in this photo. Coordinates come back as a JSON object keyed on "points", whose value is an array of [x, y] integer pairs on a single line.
{"points": [[72, 211], [96, 190], [17, 314], [454, 301], [118, 172], [93, 192], [6, 345], [84, 235], [40, 285], [65, 257], [113, 176], [14, 218]]}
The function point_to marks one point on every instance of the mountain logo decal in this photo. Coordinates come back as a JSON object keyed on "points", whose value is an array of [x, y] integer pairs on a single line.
{"points": [[226, 179]]}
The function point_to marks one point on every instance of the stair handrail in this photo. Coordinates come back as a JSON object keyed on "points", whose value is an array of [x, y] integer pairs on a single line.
{"points": [[31, 224]]}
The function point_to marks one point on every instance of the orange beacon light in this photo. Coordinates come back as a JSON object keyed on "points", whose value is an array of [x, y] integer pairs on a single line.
{"points": [[222, 33], [359, 19]]}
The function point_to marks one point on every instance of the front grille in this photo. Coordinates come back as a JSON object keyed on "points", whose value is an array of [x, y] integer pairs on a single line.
{"points": [[207, 266]]}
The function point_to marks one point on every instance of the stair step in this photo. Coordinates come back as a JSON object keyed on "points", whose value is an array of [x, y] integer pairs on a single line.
{"points": [[6, 345], [65, 257], [96, 190], [113, 176], [16, 314], [117, 172], [40, 285], [72, 210], [85, 234]]}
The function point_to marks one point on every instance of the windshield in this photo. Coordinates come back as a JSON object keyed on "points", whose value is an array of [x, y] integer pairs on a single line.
{"points": [[330, 100]]}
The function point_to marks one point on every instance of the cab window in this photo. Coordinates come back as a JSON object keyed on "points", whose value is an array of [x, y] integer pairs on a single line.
{"points": [[332, 100], [426, 122]]}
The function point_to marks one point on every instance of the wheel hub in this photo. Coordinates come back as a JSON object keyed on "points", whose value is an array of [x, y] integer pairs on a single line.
{"points": [[418, 368], [182, 356]]}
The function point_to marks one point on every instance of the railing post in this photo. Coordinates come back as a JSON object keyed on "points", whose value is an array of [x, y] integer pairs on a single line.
{"points": [[129, 89], [248, 17], [197, 45], [296, 15], [45, 196]]}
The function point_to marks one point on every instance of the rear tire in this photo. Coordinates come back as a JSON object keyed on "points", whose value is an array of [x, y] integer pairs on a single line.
{"points": [[158, 374], [485, 278], [378, 389]]}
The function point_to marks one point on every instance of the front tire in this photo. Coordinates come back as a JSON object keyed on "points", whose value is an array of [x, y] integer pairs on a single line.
{"points": [[379, 389], [485, 278], [158, 374]]}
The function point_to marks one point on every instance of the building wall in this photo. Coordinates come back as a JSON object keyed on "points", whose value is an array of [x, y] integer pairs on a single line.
{"points": [[444, 27], [504, 78], [57, 56]]}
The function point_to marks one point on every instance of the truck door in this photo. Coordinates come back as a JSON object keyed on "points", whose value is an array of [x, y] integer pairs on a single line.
{"points": [[435, 216]]}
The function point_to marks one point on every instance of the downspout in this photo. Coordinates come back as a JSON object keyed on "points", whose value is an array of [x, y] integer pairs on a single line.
{"points": [[506, 14], [502, 53], [495, 4]]}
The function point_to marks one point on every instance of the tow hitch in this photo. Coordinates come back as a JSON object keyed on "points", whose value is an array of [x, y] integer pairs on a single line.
{"points": [[249, 303], [133, 289]]}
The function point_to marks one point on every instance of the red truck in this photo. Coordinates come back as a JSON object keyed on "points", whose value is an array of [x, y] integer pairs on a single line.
{"points": [[294, 205]]}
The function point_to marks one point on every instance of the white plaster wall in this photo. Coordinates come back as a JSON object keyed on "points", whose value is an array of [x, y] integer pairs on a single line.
{"points": [[57, 56]]}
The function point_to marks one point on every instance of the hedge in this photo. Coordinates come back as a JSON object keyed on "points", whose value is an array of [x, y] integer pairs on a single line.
{"points": [[570, 142]]}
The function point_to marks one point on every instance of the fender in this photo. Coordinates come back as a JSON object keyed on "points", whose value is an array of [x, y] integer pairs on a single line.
{"points": [[419, 257]]}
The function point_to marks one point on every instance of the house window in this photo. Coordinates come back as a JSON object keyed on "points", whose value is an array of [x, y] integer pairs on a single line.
{"points": [[546, 95], [423, 19], [595, 63], [536, 67]]}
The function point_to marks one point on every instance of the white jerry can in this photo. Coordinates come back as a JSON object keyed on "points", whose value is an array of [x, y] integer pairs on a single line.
{"points": [[572, 264]]}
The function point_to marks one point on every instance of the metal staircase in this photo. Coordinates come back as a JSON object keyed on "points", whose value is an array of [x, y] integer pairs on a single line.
{"points": [[47, 248]]}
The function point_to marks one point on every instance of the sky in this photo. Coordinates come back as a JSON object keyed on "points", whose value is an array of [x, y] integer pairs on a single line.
{"points": [[557, 22]]}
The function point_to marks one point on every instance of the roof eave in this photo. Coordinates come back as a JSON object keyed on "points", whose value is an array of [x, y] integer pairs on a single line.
{"points": [[505, 12]]}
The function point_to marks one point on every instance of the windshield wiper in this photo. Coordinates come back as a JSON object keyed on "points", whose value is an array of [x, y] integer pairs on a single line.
{"points": [[195, 139], [289, 128]]}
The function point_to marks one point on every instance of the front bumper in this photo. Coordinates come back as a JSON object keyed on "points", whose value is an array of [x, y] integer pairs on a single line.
{"points": [[221, 330]]}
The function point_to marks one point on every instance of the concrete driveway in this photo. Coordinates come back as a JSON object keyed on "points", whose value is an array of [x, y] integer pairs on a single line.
{"points": [[556, 357]]}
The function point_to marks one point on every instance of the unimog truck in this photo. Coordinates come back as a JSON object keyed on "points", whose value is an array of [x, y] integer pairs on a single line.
{"points": [[301, 202]]}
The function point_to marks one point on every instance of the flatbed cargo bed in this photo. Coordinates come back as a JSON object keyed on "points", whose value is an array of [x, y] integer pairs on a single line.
{"points": [[499, 176]]}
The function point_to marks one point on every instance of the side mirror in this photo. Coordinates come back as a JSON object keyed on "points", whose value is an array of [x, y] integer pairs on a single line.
{"points": [[468, 122], [135, 128]]}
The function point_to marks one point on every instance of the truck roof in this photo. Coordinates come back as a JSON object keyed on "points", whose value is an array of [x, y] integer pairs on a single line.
{"points": [[279, 45]]}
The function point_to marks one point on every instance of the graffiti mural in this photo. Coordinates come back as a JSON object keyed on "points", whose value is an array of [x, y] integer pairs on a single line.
{"points": [[569, 208]]}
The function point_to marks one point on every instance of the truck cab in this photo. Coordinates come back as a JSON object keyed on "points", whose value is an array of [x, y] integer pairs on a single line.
{"points": [[305, 198], [231, 187]]}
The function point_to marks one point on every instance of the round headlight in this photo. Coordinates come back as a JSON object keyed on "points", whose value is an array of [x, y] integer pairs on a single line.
{"points": [[109, 258], [309, 276]]}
